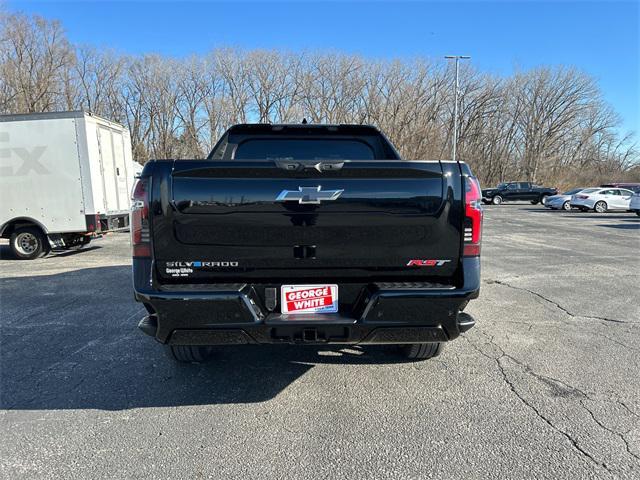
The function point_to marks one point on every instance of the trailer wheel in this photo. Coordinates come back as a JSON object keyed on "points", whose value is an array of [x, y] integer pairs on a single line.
{"points": [[188, 353], [28, 243], [422, 351]]}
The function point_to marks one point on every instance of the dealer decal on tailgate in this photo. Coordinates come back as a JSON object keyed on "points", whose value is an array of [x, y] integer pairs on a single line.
{"points": [[309, 298]]}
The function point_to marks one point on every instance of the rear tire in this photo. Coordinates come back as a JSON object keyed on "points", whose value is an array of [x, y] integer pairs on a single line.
{"points": [[600, 207], [188, 353], [534, 202], [28, 243], [497, 200], [638, 213], [566, 205], [422, 351]]}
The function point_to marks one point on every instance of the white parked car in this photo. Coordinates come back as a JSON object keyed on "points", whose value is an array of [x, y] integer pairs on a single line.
{"points": [[602, 200], [634, 205], [561, 201]]}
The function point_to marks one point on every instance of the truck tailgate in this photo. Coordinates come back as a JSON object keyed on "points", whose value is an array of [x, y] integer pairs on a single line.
{"points": [[266, 219]]}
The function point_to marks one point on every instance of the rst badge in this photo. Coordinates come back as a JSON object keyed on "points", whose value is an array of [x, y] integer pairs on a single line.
{"points": [[427, 263]]}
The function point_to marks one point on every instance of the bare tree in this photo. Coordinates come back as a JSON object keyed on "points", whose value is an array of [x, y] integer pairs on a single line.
{"points": [[35, 58], [192, 93], [97, 74]]}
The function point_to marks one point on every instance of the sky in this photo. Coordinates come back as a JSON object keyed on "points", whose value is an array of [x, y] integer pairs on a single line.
{"points": [[600, 38]]}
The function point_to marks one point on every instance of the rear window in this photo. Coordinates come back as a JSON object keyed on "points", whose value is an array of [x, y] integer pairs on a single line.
{"points": [[573, 192], [590, 190], [303, 149]]}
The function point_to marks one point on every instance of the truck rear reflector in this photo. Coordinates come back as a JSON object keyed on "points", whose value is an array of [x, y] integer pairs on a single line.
{"points": [[140, 241], [473, 217]]}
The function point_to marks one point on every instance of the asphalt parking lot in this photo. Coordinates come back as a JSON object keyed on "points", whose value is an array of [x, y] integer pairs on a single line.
{"points": [[545, 386]]}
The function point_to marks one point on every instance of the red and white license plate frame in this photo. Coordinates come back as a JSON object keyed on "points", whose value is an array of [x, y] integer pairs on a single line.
{"points": [[301, 299]]}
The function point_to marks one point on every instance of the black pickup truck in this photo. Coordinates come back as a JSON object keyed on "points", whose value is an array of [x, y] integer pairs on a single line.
{"points": [[517, 191], [302, 234]]}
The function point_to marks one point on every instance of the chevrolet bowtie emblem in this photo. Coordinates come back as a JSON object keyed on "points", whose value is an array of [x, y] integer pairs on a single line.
{"points": [[306, 195]]}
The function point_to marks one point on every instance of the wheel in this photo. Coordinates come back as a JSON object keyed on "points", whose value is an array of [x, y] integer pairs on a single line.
{"points": [[422, 351], [28, 243], [534, 202], [543, 199], [600, 207], [638, 212], [566, 205], [497, 200], [188, 353]]}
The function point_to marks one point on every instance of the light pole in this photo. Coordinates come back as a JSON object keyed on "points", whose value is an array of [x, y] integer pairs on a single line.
{"points": [[457, 58]]}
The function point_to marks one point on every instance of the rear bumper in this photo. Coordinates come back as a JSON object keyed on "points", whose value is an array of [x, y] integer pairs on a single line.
{"points": [[384, 313], [318, 333]]}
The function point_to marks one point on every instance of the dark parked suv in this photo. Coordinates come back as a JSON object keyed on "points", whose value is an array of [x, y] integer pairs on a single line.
{"points": [[517, 191]]}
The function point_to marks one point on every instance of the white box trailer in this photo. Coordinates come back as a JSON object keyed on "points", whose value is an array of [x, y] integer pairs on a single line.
{"points": [[64, 177]]}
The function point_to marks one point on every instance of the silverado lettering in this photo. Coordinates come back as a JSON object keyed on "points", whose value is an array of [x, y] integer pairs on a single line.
{"points": [[201, 264]]}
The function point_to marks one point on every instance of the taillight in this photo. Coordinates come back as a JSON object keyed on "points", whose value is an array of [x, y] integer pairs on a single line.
{"points": [[140, 219], [582, 197], [473, 217]]}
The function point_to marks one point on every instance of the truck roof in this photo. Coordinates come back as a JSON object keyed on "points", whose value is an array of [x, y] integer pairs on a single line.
{"points": [[265, 128]]}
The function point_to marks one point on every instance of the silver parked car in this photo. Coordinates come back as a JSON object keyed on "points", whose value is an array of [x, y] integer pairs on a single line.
{"points": [[602, 200], [634, 205], [562, 201]]}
